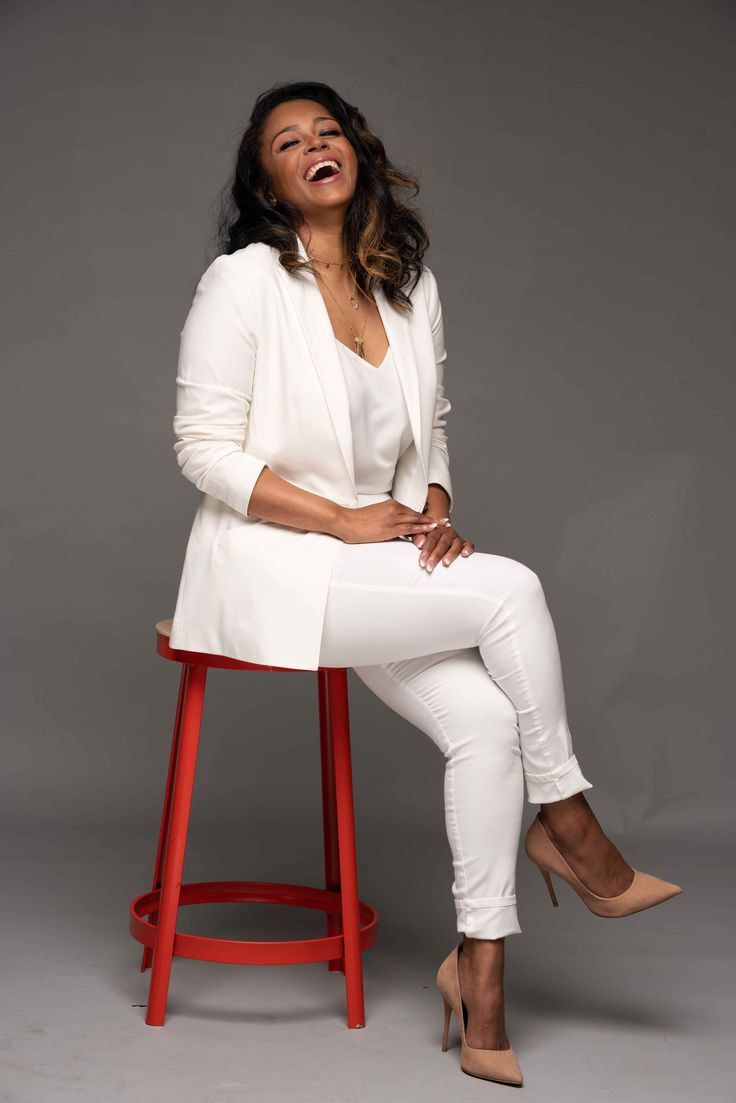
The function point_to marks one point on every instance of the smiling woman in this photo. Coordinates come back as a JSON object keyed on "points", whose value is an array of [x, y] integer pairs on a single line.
{"points": [[356, 211], [311, 415]]}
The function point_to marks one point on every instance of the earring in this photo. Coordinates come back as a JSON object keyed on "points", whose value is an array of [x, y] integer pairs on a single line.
{"points": [[272, 199]]}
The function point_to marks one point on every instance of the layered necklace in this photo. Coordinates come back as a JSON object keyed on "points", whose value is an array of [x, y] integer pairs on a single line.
{"points": [[353, 302]]}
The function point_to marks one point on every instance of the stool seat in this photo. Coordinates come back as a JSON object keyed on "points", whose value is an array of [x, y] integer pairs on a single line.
{"points": [[351, 923], [206, 658]]}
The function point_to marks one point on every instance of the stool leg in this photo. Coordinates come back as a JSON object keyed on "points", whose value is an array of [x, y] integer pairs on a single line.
{"points": [[340, 730], [176, 845], [166, 814], [329, 811]]}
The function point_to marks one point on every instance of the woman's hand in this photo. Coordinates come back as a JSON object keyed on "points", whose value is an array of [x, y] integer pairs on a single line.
{"points": [[381, 521], [442, 543]]}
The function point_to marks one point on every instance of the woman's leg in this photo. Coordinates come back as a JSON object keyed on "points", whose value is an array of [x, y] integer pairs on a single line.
{"points": [[382, 607], [449, 697], [451, 651], [384, 610]]}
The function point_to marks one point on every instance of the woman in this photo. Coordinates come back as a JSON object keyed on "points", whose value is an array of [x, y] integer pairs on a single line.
{"points": [[311, 414]]}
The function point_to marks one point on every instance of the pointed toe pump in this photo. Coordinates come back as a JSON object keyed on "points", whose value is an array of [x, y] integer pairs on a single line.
{"points": [[488, 1064], [644, 891]]}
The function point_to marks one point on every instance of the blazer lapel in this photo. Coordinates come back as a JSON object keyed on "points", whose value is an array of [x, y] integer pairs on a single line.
{"points": [[399, 336], [317, 327]]}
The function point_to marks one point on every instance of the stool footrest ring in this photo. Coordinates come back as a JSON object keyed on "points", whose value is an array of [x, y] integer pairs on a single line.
{"points": [[236, 952]]}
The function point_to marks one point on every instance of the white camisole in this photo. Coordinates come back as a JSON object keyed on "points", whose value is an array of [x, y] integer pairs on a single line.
{"points": [[380, 422]]}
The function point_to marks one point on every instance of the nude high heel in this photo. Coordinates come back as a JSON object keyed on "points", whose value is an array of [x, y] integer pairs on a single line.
{"points": [[488, 1064], [644, 891]]}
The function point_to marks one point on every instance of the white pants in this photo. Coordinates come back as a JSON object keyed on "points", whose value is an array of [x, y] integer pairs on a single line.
{"points": [[468, 655]]}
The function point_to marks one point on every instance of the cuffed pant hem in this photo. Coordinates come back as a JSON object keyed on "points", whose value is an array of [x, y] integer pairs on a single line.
{"points": [[492, 917], [556, 785]]}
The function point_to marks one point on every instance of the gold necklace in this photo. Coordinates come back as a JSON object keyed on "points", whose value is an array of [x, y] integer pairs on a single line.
{"points": [[353, 302], [336, 264]]}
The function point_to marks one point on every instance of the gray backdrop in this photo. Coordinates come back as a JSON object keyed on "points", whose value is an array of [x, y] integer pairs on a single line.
{"points": [[576, 161]]}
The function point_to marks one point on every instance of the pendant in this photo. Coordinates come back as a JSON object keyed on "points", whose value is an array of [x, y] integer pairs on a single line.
{"points": [[359, 346]]}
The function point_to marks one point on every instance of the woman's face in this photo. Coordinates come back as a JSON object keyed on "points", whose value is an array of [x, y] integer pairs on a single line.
{"points": [[298, 134]]}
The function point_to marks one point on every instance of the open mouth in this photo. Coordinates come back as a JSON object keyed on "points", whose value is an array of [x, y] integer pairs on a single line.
{"points": [[323, 171]]}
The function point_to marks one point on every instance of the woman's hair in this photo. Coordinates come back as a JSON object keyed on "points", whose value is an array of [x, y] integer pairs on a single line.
{"points": [[384, 240]]}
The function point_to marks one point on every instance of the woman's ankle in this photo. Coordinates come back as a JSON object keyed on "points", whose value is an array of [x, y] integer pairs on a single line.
{"points": [[484, 956], [569, 818]]}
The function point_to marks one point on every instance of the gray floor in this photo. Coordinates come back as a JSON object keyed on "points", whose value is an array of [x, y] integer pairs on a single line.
{"points": [[595, 1008]]}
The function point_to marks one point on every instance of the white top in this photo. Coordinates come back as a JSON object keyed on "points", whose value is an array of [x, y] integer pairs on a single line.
{"points": [[380, 422]]}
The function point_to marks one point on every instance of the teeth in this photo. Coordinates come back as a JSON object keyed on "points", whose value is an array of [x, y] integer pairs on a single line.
{"points": [[309, 174]]}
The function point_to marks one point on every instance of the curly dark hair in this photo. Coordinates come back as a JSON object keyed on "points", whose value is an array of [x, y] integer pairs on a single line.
{"points": [[384, 240]]}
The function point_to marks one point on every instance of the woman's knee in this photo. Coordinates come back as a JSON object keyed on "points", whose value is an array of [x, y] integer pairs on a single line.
{"points": [[505, 577]]}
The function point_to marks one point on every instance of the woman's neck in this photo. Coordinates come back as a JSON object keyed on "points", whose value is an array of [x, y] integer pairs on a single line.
{"points": [[324, 243]]}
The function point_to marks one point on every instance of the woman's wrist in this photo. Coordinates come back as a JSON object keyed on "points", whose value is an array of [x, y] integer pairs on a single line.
{"points": [[438, 501]]}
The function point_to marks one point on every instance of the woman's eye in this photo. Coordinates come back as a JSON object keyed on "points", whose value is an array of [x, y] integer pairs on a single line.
{"points": [[287, 144]]}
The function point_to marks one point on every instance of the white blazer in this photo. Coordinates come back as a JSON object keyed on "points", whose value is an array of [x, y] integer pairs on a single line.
{"points": [[259, 382]]}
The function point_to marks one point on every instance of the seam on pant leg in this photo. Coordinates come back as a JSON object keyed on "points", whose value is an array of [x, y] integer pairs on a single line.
{"points": [[547, 750], [448, 743]]}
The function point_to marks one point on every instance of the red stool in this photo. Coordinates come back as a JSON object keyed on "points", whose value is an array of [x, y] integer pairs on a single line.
{"points": [[351, 923]]}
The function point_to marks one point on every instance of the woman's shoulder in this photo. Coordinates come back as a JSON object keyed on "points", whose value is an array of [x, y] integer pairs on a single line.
{"points": [[250, 262], [238, 275]]}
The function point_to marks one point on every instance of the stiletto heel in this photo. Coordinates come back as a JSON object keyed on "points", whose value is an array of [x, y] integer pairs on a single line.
{"points": [[550, 886], [501, 1065], [644, 891], [448, 1012]]}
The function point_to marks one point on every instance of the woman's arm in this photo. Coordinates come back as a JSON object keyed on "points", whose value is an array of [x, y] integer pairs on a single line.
{"points": [[276, 499], [439, 496], [438, 502], [214, 388]]}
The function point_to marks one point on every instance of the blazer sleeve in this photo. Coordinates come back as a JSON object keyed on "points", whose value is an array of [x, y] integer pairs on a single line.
{"points": [[214, 387], [439, 456]]}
